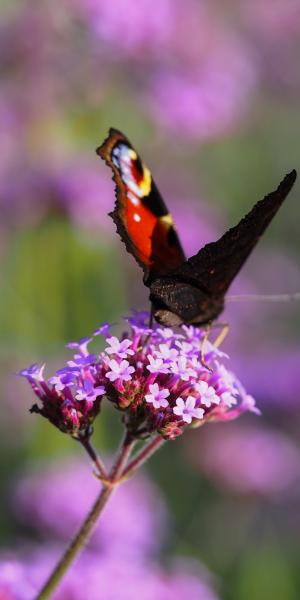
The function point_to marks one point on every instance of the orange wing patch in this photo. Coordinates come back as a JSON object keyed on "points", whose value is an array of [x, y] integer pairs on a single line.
{"points": [[141, 216]]}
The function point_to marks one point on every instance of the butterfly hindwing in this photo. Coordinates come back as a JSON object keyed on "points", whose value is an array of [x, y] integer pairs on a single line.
{"points": [[181, 291], [140, 214], [196, 290]]}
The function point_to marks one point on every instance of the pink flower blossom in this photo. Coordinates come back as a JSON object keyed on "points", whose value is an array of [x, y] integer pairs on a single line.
{"points": [[82, 345], [121, 349], [230, 400], [89, 391], [34, 372], [181, 367], [165, 333], [121, 371], [186, 409], [166, 353], [157, 397], [157, 364], [207, 393]]}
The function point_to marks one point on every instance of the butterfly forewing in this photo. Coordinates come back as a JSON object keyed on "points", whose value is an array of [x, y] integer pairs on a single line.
{"points": [[140, 214]]}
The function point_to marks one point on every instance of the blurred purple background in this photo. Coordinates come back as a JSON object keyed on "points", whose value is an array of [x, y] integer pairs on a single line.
{"points": [[209, 94]]}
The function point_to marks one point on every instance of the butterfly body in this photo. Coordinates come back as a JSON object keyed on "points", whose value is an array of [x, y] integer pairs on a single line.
{"points": [[180, 302], [181, 290]]}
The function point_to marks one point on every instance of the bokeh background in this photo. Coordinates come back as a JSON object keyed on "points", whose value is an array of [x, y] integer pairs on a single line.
{"points": [[209, 92]]}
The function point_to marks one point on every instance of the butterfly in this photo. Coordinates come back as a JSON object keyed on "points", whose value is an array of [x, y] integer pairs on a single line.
{"points": [[182, 290]]}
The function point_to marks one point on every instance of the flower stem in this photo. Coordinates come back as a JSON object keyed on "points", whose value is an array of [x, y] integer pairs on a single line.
{"points": [[87, 526], [76, 544], [100, 467], [122, 458], [142, 456]]}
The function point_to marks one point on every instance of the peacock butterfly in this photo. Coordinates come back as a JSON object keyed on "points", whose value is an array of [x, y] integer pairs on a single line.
{"points": [[181, 290]]}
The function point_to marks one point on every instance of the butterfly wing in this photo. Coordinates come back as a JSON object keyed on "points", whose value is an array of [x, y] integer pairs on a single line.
{"points": [[205, 277], [140, 214]]}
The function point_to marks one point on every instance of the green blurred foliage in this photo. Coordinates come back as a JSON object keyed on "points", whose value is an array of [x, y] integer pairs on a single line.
{"points": [[57, 283]]}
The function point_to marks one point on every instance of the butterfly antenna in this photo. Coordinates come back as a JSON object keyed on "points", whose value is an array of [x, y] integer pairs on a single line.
{"points": [[264, 297]]}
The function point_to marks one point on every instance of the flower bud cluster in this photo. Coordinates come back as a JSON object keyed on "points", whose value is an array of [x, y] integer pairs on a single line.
{"points": [[155, 376]]}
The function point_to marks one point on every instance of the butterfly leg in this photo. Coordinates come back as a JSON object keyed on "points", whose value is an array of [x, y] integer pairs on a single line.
{"points": [[203, 344], [222, 335]]}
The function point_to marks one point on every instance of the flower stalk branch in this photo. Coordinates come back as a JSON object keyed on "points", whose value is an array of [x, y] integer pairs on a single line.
{"points": [[100, 467], [142, 456], [82, 536]]}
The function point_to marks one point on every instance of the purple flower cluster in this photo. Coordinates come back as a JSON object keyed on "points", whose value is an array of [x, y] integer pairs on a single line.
{"points": [[72, 189], [120, 561], [209, 99], [103, 577], [154, 376], [195, 75], [248, 460], [183, 67], [133, 524], [273, 28]]}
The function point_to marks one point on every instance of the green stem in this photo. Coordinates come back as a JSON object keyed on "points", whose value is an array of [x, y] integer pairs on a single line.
{"points": [[142, 456], [76, 544], [89, 523]]}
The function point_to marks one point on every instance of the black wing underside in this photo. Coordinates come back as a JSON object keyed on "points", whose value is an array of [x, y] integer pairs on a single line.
{"points": [[215, 266]]}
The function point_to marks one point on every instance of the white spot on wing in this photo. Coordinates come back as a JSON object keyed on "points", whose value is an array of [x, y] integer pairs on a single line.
{"points": [[133, 198], [136, 217]]}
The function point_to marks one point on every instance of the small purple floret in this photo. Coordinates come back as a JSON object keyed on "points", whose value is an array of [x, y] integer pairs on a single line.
{"points": [[119, 371], [34, 372], [157, 397], [60, 382], [120, 349], [80, 360], [89, 391], [186, 409], [81, 346], [103, 330]]}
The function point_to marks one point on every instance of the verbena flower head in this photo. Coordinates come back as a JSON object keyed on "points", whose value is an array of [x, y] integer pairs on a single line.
{"points": [[154, 376]]}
